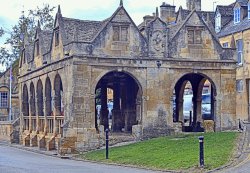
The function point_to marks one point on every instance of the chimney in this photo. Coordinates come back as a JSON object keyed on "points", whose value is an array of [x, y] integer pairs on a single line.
{"points": [[194, 4], [167, 12]]}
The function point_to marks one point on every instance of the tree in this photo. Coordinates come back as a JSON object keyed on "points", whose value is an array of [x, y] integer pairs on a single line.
{"points": [[26, 26]]}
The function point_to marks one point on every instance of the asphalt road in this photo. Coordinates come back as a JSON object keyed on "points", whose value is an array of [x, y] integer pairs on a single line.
{"points": [[13, 160]]}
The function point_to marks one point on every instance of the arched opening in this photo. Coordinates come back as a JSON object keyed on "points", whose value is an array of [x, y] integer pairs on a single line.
{"points": [[39, 94], [194, 101], [32, 100], [119, 93], [48, 101], [58, 96], [25, 101]]}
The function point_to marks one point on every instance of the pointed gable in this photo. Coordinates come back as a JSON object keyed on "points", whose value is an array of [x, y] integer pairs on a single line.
{"points": [[194, 39]]}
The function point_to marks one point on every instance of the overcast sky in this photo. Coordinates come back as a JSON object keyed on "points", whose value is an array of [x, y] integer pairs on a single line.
{"points": [[92, 9]]}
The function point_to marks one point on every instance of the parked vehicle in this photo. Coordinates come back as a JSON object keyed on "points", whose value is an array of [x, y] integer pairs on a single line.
{"points": [[206, 106]]}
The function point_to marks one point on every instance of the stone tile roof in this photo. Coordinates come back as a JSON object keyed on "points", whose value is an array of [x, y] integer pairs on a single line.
{"points": [[29, 50], [46, 38], [242, 2], [225, 11], [81, 30], [231, 28]]}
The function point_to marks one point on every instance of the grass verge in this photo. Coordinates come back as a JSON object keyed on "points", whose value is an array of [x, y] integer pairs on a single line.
{"points": [[172, 153]]}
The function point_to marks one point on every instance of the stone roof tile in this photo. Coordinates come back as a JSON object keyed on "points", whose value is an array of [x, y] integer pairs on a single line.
{"points": [[81, 30], [231, 28]]}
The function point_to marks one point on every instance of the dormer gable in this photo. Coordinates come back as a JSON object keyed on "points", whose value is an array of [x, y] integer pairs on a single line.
{"points": [[248, 10]]}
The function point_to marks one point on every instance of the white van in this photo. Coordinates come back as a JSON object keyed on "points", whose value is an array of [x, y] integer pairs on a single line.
{"points": [[187, 106]]}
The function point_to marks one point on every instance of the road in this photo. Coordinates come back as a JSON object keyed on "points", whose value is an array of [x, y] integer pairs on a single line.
{"points": [[13, 160]]}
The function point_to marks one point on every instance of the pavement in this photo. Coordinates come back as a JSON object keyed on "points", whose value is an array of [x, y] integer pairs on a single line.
{"points": [[239, 163]]}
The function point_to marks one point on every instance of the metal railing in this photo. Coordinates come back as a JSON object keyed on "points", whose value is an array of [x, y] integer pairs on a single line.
{"points": [[50, 124]]}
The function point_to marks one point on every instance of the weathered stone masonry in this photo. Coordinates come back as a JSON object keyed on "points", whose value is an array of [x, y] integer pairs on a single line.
{"points": [[143, 66]]}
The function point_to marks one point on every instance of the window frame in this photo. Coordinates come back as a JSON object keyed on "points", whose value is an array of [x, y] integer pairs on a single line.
{"points": [[248, 10], [225, 45], [118, 33], [239, 85], [237, 15], [194, 31], [37, 51], [57, 37], [4, 101], [239, 52]]}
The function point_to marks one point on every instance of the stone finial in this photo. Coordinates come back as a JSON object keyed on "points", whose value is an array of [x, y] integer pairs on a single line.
{"points": [[59, 9], [121, 2], [157, 12]]}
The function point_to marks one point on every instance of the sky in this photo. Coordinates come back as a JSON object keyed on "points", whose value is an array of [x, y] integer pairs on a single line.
{"points": [[91, 9]]}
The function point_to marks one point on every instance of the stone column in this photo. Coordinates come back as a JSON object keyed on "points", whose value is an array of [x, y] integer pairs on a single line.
{"points": [[30, 114], [116, 114], [104, 110], [55, 111], [45, 115], [199, 109], [179, 109], [37, 115]]}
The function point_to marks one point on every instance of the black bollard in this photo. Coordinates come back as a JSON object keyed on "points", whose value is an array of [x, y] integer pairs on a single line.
{"points": [[107, 143], [201, 141]]}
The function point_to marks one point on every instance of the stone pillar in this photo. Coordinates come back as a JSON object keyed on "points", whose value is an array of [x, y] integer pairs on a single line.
{"points": [[199, 109], [55, 111], [130, 113], [37, 115], [179, 109], [116, 114], [104, 110], [45, 116], [30, 115]]}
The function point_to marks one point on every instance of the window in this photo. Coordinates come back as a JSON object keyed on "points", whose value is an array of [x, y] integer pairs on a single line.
{"points": [[248, 11], [3, 99], [194, 35], [225, 45], [236, 15], [23, 55], [218, 22], [37, 47], [120, 33], [239, 85], [56, 37], [239, 46]]}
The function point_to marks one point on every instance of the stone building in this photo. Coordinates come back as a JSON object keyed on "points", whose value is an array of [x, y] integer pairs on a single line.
{"points": [[233, 30], [147, 67], [5, 97]]}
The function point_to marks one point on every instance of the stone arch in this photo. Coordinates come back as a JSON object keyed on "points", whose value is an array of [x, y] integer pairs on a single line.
{"points": [[127, 102], [197, 81], [32, 100], [25, 101], [39, 95], [48, 97], [58, 89]]}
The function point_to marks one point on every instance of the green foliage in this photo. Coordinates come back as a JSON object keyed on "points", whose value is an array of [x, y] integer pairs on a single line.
{"points": [[25, 28], [172, 153], [1, 32]]}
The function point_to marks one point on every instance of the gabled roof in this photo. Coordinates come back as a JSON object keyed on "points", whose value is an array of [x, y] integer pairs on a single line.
{"points": [[242, 2], [225, 11], [231, 28], [81, 30], [46, 37]]}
